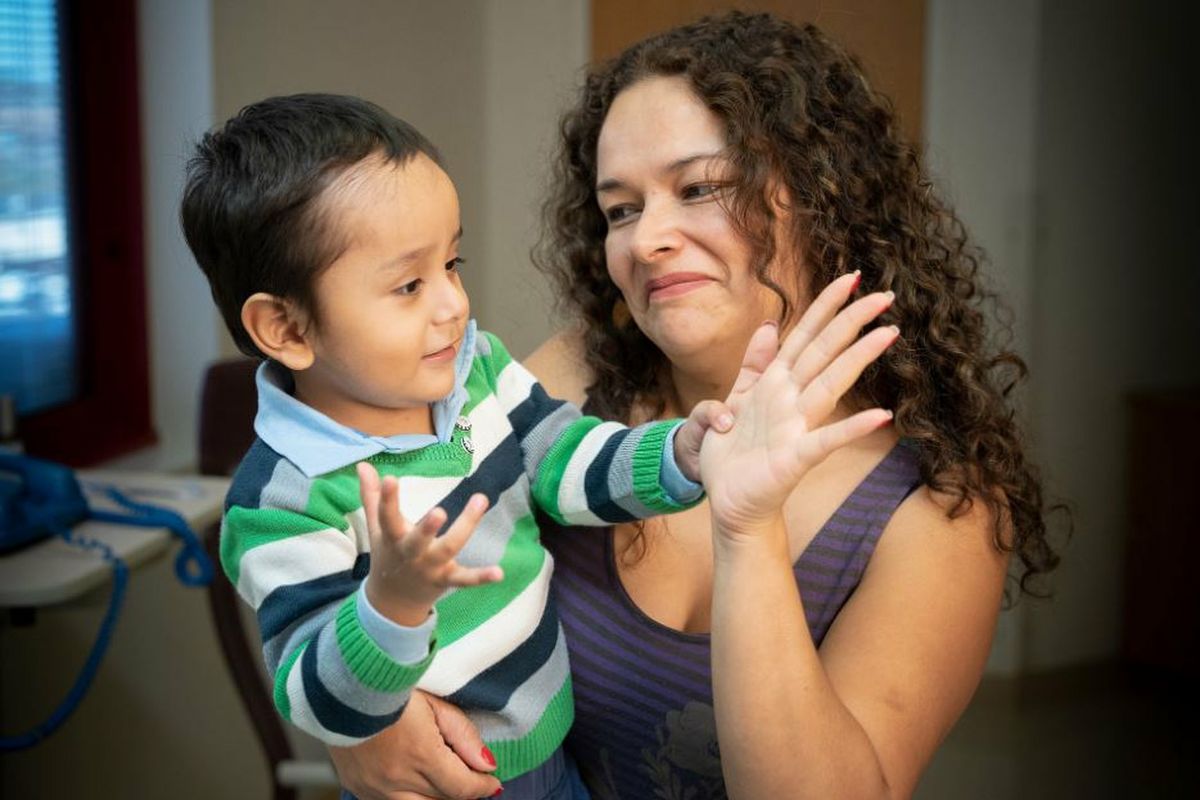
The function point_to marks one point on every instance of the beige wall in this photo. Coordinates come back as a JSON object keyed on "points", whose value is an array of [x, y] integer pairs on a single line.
{"points": [[483, 80]]}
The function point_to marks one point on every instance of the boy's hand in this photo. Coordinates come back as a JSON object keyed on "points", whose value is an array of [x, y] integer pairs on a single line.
{"points": [[707, 414], [782, 398], [410, 565]]}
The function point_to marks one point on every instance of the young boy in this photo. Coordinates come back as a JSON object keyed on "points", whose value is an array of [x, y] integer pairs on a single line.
{"points": [[330, 236]]}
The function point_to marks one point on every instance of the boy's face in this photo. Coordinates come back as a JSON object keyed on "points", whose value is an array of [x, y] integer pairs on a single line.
{"points": [[391, 311]]}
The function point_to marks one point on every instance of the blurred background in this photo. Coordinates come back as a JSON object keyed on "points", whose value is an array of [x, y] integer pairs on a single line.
{"points": [[1056, 127]]}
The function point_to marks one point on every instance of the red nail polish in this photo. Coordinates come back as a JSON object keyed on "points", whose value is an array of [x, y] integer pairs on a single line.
{"points": [[857, 281], [488, 757], [498, 792]]}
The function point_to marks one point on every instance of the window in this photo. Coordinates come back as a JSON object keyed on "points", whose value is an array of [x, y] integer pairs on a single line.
{"points": [[73, 343]]}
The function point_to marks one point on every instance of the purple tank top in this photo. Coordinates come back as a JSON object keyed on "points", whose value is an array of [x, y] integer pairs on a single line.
{"points": [[644, 725]]}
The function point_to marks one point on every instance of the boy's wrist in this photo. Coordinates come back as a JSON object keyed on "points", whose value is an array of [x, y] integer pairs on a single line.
{"points": [[400, 610]]}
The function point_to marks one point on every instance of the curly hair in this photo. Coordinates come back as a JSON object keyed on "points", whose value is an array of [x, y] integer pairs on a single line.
{"points": [[797, 110]]}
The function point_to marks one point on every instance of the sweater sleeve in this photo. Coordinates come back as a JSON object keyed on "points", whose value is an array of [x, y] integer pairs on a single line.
{"points": [[584, 471], [297, 555]]}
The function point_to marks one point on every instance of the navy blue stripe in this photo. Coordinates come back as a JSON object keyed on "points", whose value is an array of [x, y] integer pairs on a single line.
{"points": [[532, 410], [289, 603], [496, 474], [490, 689], [333, 714], [595, 482], [252, 476]]}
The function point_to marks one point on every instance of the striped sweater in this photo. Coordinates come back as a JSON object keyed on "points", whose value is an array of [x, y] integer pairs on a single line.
{"points": [[297, 549]]}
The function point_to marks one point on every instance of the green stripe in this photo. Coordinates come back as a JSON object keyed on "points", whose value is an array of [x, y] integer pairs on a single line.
{"points": [[518, 756], [463, 610], [282, 702], [554, 465], [247, 528], [647, 468], [500, 356], [479, 385], [373, 667]]}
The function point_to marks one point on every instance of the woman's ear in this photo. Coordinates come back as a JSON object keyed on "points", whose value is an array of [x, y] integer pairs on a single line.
{"points": [[278, 329]]}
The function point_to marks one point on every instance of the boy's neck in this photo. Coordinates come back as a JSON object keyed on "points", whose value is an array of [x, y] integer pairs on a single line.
{"points": [[366, 419]]}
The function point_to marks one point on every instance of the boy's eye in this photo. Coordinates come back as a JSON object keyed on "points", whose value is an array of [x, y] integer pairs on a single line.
{"points": [[409, 288], [455, 263], [697, 191]]}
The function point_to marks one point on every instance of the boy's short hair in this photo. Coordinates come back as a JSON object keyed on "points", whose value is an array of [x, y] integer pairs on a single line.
{"points": [[250, 208]]}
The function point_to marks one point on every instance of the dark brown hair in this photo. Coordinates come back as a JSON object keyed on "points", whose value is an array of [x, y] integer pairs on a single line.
{"points": [[798, 111], [251, 209]]}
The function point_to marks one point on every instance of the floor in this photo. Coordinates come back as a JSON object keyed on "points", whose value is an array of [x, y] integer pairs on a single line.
{"points": [[1103, 732]]}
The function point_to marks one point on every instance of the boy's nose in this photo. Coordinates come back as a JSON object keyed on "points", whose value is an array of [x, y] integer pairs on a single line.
{"points": [[453, 303]]}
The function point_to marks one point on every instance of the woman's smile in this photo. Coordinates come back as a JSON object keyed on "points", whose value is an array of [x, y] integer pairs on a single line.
{"points": [[675, 284]]}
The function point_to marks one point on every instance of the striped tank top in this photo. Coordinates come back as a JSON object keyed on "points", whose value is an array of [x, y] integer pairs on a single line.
{"points": [[644, 726]]}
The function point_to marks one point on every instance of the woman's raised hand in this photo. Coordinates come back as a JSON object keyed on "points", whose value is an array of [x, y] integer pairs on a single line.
{"points": [[781, 400]]}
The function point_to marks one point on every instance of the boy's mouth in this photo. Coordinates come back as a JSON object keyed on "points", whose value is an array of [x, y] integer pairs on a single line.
{"points": [[446, 353]]}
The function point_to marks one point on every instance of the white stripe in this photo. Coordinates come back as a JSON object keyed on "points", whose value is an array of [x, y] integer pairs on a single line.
{"points": [[419, 494], [572, 498], [489, 427], [295, 559], [513, 385], [456, 664]]}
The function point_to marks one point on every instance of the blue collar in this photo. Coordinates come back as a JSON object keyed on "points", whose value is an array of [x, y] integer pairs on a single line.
{"points": [[317, 444]]}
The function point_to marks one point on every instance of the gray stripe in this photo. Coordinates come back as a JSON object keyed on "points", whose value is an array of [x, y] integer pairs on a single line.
{"points": [[521, 713], [620, 477], [341, 682], [297, 633], [537, 442], [487, 544], [287, 489]]}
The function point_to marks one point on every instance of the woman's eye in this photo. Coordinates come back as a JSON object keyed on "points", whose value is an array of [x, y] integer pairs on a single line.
{"points": [[616, 214], [409, 288], [454, 263]]}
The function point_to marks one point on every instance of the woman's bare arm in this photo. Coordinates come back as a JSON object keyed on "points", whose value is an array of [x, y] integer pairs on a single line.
{"points": [[863, 717]]}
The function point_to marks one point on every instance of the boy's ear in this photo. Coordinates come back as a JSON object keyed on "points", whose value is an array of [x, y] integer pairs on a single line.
{"points": [[277, 328]]}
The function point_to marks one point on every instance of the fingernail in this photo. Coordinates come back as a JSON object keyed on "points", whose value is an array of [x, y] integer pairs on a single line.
{"points": [[890, 295], [770, 322], [857, 280], [896, 329], [488, 757], [498, 792], [890, 418], [725, 421]]}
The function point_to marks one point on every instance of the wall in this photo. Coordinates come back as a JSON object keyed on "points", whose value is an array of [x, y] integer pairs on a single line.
{"points": [[176, 106], [980, 124], [1116, 277]]}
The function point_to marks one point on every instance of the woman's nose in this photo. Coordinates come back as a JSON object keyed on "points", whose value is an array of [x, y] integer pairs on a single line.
{"points": [[656, 233]]}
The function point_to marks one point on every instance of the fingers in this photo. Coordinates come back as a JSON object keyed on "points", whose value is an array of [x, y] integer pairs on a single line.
{"points": [[817, 316], [838, 335], [456, 537], [461, 735], [368, 489], [711, 414], [762, 349], [840, 433], [820, 396]]}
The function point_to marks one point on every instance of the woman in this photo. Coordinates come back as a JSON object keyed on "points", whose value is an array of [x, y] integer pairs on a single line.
{"points": [[714, 176]]}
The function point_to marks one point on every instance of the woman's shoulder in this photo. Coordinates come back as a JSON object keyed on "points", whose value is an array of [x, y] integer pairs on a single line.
{"points": [[559, 364]]}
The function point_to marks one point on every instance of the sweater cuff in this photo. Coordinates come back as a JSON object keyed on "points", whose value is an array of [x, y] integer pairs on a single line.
{"points": [[403, 644], [677, 486], [647, 468]]}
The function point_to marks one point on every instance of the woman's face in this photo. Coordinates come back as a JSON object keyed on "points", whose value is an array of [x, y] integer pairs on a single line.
{"points": [[671, 248]]}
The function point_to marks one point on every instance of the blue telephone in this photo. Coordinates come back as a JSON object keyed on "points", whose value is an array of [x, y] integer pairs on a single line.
{"points": [[39, 499]]}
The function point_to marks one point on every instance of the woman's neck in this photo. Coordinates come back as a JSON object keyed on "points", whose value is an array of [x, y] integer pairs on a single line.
{"points": [[688, 386]]}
